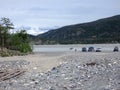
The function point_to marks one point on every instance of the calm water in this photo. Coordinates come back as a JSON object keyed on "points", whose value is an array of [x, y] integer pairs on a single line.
{"points": [[63, 48]]}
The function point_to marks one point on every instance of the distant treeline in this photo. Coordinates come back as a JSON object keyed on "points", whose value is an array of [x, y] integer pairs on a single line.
{"points": [[105, 30]]}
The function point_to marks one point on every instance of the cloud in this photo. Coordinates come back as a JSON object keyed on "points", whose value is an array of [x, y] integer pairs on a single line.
{"points": [[34, 30], [50, 13]]}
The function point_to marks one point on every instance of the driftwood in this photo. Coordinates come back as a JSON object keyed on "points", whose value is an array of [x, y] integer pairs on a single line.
{"points": [[91, 64], [11, 73]]}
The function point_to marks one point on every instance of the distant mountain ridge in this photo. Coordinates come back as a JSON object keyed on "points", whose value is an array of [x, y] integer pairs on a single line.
{"points": [[106, 30]]}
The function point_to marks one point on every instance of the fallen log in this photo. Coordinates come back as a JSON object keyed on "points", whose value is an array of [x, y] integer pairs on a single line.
{"points": [[8, 74]]}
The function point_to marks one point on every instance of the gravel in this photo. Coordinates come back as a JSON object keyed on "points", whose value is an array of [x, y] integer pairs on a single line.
{"points": [[13, 64], [81, 71]]}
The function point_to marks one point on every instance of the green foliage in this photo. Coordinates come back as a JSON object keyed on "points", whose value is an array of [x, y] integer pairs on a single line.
{"points": [[4, 54], [20, 41], [5, 26], [25, 47]]}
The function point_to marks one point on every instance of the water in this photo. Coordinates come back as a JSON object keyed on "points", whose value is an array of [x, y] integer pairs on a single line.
{"points": [[78, 47]]}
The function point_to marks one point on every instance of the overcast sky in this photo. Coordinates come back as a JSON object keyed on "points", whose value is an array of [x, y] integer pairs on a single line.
{"points": [[40, 15]]}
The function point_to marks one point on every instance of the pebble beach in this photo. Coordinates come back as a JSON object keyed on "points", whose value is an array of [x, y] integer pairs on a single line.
{"points": [[61, 71]]}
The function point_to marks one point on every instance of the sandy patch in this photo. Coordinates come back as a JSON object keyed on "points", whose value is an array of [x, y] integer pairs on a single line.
{"points": [[40, 62]]}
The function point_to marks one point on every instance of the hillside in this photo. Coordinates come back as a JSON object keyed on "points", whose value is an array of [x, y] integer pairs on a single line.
{"points": [[105, 30]]}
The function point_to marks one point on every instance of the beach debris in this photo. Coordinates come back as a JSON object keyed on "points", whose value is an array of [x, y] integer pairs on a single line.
{"points": [[8, 74], [91, 64], [12, 69]]}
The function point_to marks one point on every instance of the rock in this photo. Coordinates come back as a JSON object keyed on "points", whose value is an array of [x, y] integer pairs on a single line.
{"points": [[53, 68]]}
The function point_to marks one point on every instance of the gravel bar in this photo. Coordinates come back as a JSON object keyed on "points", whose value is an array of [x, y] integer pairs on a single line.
{"points": [[80, 71]]}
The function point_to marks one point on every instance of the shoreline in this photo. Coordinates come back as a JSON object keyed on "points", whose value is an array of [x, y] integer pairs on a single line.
{"points": [[65, 71], [45, 61]]}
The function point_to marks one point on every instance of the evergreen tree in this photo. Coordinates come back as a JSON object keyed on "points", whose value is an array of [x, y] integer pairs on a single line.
{"points": [[5, 26]]}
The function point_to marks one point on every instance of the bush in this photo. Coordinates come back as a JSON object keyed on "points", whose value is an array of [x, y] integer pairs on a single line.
{"points": [[20, 42], [24, 48]]}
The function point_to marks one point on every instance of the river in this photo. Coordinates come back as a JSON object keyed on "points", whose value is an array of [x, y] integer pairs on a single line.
{"points": [[72, 47]]}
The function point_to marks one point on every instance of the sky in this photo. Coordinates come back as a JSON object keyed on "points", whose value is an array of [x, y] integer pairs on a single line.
{"points": [[39, 16]]}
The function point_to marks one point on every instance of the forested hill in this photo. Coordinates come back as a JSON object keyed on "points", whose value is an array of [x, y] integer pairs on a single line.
{"points": [[105, 30]]}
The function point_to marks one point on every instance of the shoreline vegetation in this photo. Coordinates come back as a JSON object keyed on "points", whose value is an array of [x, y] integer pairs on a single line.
{"points": [[7, 53], [13, 43]]}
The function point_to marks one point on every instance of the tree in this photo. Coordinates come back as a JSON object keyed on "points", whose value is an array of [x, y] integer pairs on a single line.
{"points": [[5, 22], [16, 42], [5, 26], [1, 37]]}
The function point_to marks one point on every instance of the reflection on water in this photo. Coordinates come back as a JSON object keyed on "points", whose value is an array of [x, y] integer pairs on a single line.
{"points": [[78, 47]]}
